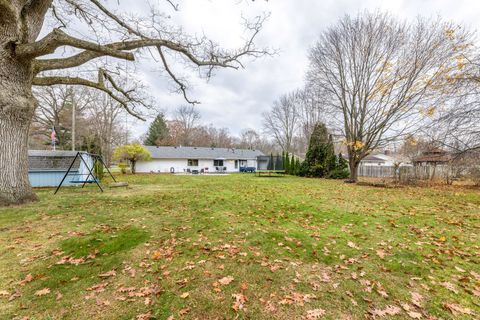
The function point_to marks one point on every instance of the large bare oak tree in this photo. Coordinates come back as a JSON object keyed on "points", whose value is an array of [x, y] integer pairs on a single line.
{"points": [[26, 60], [379, 76]]}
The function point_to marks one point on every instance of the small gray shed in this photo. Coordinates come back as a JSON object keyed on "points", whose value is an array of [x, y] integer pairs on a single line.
{"points": [[47, 168]]}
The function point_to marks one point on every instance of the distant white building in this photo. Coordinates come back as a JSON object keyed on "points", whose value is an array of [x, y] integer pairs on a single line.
{"points": [[377, 160], [382, 160], [197, 159]]}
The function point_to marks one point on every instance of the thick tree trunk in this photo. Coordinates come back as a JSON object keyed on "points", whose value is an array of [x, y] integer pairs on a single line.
{"points": [[14, 183], [17, 106], [353, 171], [353, 164]]}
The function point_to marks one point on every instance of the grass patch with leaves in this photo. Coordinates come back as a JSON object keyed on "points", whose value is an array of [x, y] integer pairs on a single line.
{"points": [[242, 247]]}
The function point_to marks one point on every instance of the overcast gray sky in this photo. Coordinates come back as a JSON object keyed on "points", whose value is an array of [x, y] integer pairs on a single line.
{"points": [[235, 99]]}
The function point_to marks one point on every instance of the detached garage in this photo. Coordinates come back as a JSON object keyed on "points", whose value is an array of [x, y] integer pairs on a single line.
{"points": [[46, 168]]}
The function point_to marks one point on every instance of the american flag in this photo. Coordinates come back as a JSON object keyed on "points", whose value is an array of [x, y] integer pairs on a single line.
{"points": [[53, 136]]}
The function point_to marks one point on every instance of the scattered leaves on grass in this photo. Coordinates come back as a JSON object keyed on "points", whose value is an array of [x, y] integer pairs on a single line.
{"points": [[457, 309], [111, 273], [184, 311], [28, 278], [240, 300], [144, 316], [226, 280], [98, 287], [416, 299], [71, 260], [4, 293], [414, 314], [42, 292], [381, 253], [389, 310], [449, 286], [314, 314], [353, 245]]}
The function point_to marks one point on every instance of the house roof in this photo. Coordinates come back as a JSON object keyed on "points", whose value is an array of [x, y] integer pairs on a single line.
{"points": [[377, 158], [201, 153]]}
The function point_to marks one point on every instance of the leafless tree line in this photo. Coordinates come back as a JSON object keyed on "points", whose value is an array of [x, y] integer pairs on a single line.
{"points": [[291, 120], [98, 120], [185, 128], [376, 79]]}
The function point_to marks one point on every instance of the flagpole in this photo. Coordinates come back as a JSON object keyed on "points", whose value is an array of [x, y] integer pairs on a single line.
{"points": [[54, 138]]}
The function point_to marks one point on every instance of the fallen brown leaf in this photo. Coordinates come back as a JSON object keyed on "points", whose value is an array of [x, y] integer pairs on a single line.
{"points": [[315, 314], [42, 292], [226, 280]]}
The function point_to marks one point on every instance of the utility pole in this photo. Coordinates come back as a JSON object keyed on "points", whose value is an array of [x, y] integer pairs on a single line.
{"points": [[73, 121]]}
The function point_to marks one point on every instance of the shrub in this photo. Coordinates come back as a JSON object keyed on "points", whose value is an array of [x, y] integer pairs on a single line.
{"points": [[123, 167], [98, 171]]}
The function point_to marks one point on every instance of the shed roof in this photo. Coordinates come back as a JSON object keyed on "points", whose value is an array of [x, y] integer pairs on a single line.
{"points": [[163, 152], [51, 153], [46, 160]]}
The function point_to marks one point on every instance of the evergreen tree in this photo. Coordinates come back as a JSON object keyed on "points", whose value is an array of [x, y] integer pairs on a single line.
{"points": [[287, 163], [320, 158], [270, 163], [297, 167], [158, 133], [292, 164], [278, 162], [341, 168]]}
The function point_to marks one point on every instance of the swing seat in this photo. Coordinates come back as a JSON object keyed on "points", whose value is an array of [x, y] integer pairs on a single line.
{"points": [[83, 181]]}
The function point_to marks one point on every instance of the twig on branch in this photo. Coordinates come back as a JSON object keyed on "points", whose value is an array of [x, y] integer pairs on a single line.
{"points": [[174, 6], [181, 85]]}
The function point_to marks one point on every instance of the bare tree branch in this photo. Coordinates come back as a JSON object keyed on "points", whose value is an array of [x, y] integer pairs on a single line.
{"points": [[58, 38], [100, 85], [181, 85]]}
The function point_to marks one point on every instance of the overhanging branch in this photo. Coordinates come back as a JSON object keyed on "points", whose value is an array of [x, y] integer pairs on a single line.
{"points": [[225, 61], [57, 38]]}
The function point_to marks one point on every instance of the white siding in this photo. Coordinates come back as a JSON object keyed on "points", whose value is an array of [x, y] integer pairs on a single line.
{"points": [[180, 165]]}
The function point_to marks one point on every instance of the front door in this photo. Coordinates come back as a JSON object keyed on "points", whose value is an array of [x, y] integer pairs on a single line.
{"points": [[242, 163]]}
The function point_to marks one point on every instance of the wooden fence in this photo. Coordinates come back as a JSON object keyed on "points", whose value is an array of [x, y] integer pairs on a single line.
{"points": [[418, 172]]}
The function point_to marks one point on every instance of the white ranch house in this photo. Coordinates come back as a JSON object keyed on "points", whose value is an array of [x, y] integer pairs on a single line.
{"points": [[197, 159]]}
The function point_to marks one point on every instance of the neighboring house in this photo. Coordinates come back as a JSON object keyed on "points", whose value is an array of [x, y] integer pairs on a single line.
{"points": [[185, 159], [47, 168], [378, 160], [382, 160], [375, 160]]}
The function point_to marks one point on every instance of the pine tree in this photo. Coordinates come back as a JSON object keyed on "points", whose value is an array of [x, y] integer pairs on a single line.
{"points": [[270, 163], [287, 163], [297, 167], [278, 162], [292, 165], [341, 168], [320, 158], [158, 133]]}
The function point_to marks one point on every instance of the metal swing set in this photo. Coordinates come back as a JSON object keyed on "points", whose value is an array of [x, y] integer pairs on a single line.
{"points": [[90, 176]]}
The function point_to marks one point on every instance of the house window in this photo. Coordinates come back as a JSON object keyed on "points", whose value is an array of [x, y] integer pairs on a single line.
{"points": [[236, 164], [192, 162], [218, 163]]}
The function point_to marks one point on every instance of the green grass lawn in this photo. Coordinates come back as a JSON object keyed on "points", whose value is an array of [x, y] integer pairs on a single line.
{"points": [[242, 247]]}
